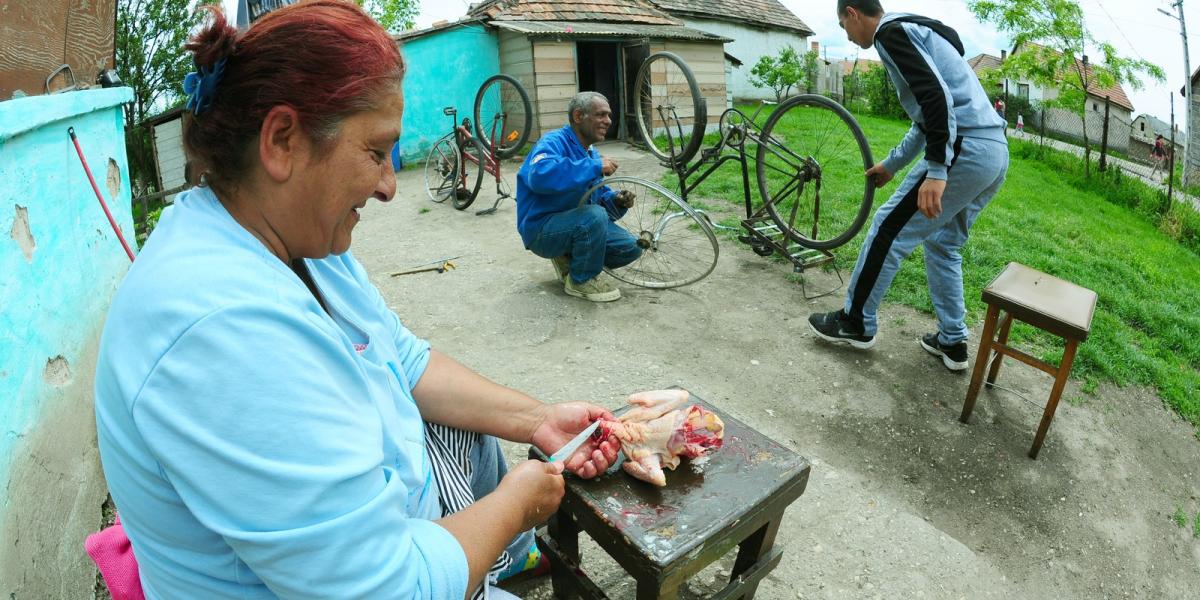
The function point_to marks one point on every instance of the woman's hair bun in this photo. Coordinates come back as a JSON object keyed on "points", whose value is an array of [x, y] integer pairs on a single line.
{"points": [[215, 41]]}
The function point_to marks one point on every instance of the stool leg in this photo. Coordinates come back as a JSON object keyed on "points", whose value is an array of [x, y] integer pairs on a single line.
{"points": [[1005, 326], [565, 533], [981, 359], [1060, 381], [652, 589], [751, 549]]}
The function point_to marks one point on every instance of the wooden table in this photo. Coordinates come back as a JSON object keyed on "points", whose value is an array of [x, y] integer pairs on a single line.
{"points": [[663, 536]]}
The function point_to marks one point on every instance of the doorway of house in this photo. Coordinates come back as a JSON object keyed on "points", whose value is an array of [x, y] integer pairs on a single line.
{"points": [[599, 72]]}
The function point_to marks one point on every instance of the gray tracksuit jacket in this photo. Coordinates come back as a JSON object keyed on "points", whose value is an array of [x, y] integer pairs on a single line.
{"points": [[937, 88]]}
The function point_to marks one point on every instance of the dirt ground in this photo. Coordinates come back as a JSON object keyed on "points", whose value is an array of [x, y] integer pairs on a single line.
{"points": [[903, 500]]}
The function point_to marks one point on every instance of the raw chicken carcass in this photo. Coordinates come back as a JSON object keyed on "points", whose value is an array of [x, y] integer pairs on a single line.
{"points": [[659, 429]]}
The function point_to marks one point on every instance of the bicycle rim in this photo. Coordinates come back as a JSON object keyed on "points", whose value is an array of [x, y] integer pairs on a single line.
{"points": [[441, 170], [470, 174], [810, 163], [678, 245], [503, 115], [671, 114]]}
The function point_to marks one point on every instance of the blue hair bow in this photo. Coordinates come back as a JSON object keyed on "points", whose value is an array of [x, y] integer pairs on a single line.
{"points": [[202, 86]]}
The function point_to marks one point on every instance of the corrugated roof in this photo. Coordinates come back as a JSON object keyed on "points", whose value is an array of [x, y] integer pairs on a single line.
{"points": [[585, 28], [770, 14], [621, 11]]}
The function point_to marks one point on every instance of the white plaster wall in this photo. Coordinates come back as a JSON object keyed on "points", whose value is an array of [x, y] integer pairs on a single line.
{"points": [[749, 43]]}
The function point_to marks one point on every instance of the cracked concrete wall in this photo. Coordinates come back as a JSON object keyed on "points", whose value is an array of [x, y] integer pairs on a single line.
{"points": [[61, 263]]}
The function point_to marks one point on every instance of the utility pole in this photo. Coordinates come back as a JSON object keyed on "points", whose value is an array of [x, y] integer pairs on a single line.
{"points": [[1187, 85]]}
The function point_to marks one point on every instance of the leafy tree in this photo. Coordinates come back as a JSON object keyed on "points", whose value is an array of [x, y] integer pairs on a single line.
{"points": [[1050, 44], [394, 15], [778, 73], [150, 59], [881, 94], [810, 71]]}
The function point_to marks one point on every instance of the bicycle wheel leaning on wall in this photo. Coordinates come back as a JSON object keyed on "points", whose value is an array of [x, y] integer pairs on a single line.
{"points": [[671, 114], [678, 244]]}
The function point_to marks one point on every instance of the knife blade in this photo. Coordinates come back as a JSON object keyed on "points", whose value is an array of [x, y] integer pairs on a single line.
{"points": [[573, 445]]}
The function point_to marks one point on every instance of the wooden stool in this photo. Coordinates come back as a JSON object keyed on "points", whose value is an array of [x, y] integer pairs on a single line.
{"points": [[1048, 303], [663, 536]]}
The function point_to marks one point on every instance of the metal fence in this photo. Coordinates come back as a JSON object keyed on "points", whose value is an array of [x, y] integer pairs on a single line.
{"points": [[1104, 129]]}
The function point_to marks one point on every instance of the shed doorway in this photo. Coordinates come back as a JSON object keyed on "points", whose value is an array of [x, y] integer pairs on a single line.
{"points": [[599, 71]]}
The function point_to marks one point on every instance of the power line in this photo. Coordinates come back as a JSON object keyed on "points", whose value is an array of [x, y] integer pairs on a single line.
{"points": [[1119, 30]]}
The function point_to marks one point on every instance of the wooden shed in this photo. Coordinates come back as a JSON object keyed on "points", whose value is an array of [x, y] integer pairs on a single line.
{"points": [[37, 39], [166, 136], [558, 49]]}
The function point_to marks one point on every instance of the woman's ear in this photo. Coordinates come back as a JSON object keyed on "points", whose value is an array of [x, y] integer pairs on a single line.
{"points": [[281, 142]]}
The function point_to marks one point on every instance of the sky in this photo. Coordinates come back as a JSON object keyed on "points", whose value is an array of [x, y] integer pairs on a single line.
{"points": [[1135, 28]]}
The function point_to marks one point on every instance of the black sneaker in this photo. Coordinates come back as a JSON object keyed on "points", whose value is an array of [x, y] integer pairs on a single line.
{"points": [[838, 328], [954, 356]]}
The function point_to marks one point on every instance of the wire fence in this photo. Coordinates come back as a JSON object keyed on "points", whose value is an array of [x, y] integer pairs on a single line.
{"points": [[1104, 129]]}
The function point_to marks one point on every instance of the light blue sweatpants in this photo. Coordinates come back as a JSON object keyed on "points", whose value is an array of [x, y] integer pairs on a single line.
{"points": [[898, 228]]}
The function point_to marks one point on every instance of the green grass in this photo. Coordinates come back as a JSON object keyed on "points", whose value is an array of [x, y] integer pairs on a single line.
{"points": [[1107, 233], [1196, 526], [1180, 517]]}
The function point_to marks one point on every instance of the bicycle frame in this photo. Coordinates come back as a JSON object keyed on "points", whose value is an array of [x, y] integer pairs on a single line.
{"points": [[487, 160], [757, 223]]}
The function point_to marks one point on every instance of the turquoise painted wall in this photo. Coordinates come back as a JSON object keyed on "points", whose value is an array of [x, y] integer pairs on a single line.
{"points": [[60, 261], [445, 68]]}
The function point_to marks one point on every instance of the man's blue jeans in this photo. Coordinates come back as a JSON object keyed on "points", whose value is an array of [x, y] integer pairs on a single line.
{"points": [[589, 237]]}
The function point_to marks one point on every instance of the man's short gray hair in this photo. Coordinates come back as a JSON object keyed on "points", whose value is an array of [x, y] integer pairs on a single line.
{"points": [[585, 101]]}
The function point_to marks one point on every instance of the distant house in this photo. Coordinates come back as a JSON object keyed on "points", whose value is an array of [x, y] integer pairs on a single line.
{"points": [[757, 28], [982, 63], [1067, 122], [556, 49], [1145, 128]]}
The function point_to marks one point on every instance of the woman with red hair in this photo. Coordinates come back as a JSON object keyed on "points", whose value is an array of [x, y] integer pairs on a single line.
{"points": [[267, 426]]}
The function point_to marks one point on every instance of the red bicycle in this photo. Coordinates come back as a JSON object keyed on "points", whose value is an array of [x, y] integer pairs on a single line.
{"points": [[455, 166]]}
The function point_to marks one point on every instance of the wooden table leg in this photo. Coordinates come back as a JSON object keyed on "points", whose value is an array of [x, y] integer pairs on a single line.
{"points": [[1005, 326], [754, 548], [1060, 382], [981, 360], [654, 589], [565, 533]]}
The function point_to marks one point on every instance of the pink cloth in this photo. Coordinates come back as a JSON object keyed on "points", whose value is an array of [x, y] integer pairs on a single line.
{"points": [[113, 555]]}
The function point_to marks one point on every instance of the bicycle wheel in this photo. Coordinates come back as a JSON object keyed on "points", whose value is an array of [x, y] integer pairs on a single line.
{"points": [[441, 170], [504, 114], [678, 244], [470, 172], [810, 164], [671, 114]]}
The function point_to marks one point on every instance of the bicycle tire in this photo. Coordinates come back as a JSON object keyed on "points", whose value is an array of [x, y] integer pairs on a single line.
{"points": [[468, 171], [810, 142], [678, 243], [512, 108], [660, 83], [441, 170]]}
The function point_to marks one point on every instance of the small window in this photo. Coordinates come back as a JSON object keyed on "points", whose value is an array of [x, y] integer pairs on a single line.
{"points": [[1143, 126], [1095, 106]]}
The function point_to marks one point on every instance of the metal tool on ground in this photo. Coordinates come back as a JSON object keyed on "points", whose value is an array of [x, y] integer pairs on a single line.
{"points": [[440, 266]]}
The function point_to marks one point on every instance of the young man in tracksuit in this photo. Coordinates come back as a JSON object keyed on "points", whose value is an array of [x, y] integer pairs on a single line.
{"points": [[963, 165]]}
